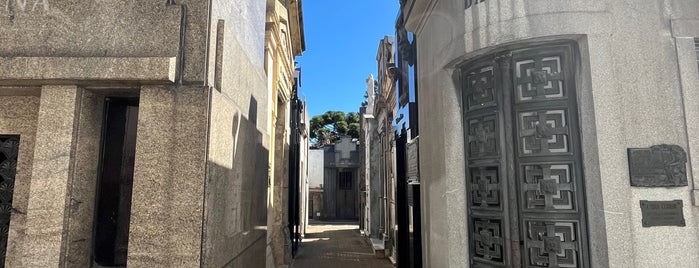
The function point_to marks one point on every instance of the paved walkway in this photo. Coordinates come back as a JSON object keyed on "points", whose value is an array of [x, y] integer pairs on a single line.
{"points": [[336, 245]]}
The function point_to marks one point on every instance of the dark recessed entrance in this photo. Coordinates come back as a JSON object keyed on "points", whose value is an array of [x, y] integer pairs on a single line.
{"points": [[115, 183]]}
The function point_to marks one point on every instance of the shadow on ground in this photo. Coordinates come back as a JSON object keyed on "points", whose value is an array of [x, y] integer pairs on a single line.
{"points": [[336, 245]]}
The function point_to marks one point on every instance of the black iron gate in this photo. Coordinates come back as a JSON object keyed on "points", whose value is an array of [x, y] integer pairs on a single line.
{"points": [[9, 149], [294, 204], [409, 242], [526, 203]]}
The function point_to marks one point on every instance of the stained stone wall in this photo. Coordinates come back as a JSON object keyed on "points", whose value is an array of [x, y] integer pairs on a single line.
{"points": [[82, 190], [236, 187], [235, 233], [169, 177], [634, 83], [376, 202], [66, 28], [199, 193], [19, 116]]}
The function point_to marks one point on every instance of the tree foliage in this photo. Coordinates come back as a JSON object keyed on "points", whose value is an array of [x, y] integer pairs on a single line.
{"points": [[330, 126]]}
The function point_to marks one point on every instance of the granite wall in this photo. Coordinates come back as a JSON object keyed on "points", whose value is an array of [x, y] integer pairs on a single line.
{"points": [[19, 117], [169, 176], [236, 187], [52, 173], [81, 193], [67, 28], [630, 95], [183, 159], [236, 195]]}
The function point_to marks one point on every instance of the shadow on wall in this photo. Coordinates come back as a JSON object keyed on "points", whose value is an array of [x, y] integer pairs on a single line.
{"points": [[236, 213]]}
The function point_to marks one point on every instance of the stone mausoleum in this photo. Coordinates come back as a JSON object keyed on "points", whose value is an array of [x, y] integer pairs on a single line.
{"points": [[333, 177], [133, 132], [558, 133]]}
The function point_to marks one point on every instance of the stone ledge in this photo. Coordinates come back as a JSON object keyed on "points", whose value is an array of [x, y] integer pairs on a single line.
{"points": [[57, 70], [685, 28]]}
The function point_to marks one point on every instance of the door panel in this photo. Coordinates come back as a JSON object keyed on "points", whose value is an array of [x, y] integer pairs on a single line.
{"points": [[9, 150], [524, 169], [346, 196]]}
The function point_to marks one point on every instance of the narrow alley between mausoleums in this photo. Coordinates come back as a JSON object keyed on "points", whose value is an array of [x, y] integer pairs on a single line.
{"points": [[337, 244], [343, 134]]}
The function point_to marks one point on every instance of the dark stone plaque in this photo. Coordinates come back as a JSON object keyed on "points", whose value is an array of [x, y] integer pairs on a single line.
{"points": [[658, 166], [662, 213]]}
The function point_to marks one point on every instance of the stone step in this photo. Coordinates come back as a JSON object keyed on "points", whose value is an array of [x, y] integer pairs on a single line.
{"points": [[378, 246]]}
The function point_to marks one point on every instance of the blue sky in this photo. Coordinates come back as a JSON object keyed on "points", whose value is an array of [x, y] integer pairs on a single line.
{"points": [[342, 38]]}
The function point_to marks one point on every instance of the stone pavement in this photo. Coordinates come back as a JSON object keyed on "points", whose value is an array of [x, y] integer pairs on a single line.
{"points": [[336, 245]]}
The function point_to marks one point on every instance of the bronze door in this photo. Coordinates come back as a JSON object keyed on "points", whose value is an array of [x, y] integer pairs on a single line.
{"points": [[526, 194]]}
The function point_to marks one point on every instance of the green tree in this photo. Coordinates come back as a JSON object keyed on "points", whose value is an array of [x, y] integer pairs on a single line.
{"points": [[330, 126]]}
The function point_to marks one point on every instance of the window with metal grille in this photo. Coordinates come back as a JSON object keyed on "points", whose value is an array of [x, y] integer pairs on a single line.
{"points": [[345, 180]]}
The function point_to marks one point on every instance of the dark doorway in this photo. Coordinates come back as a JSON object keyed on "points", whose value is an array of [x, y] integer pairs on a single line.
{"points": [[9, 148], [346, 196], [115, 182]]}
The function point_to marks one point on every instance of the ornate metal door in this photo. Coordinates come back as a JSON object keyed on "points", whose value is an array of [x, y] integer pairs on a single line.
{"points": [[9, 148], [526, 199]]}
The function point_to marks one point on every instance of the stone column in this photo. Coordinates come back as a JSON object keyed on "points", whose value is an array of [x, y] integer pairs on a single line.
{"points": [[168, 184], [277, 217], [51, 174]]}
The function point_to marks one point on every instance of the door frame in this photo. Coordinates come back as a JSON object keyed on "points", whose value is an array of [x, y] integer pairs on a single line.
{"points": [[508, 165]]}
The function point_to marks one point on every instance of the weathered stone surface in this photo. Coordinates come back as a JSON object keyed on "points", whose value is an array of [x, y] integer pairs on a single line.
{"points": [[19, 116], [236, 187], [81, 192], [52, 172], [607, 33], [40, 70], [65, 28], [168, 185]]}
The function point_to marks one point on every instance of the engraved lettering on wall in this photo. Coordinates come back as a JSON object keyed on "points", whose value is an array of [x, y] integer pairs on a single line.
{"points": [[13, 6]]}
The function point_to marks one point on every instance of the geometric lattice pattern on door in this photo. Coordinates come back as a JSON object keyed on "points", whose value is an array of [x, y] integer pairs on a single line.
{"points": [[526, 203], [482, 136], [480, 88], [543, 132], [9, 148], [485, 187], [488, 240], [539, 78], [552, 244], [548, 187]]}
